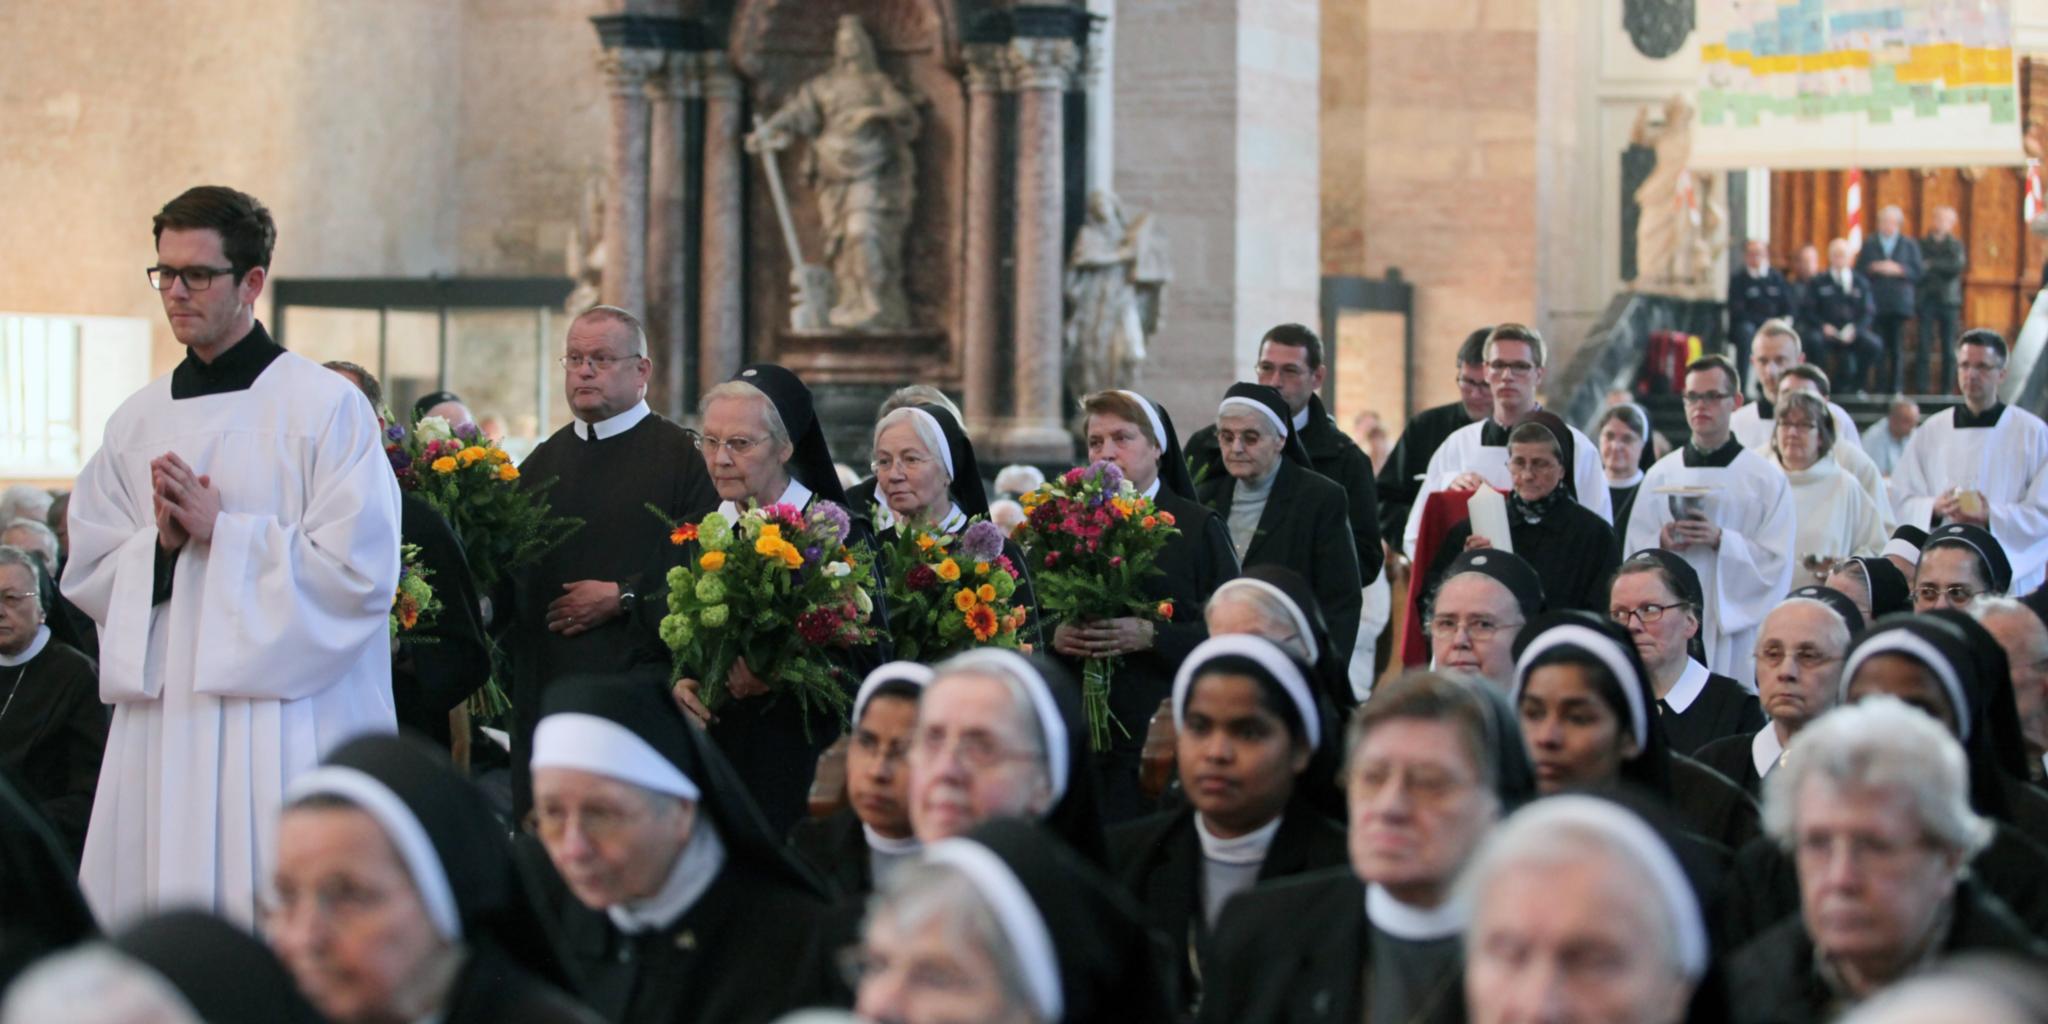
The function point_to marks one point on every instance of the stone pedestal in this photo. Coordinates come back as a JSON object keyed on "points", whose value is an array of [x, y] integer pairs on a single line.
{"points": [[722, 284], [1040, 69]]}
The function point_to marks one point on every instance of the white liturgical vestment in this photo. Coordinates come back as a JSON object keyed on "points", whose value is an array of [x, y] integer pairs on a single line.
{"points": [[2007, 461]]}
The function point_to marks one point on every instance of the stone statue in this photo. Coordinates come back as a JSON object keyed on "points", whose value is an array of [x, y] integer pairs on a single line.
{"points": [[1681, 225], [861, 168], [1116, 279]]}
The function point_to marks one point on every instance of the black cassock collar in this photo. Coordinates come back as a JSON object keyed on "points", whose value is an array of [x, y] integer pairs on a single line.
{"points": [[1493, 435], [233, 370], [1719, 458], [1967, 420]]}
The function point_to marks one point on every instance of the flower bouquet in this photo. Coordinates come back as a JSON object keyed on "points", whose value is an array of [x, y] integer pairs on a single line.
{"points": [[413, 604], [776, 587], [472, 482], [948, 593], [1093, 540]]}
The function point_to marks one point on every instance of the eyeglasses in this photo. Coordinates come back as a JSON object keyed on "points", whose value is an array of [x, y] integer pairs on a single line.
{"points": [[1227, 438], [1478, 627], [911, 462], [599, 823], [1471, 384], [18, 597], [1706, 397], [1956, 593], [196, 279], [1799, 425], [1771, 655], [1648, 615], [598, 363], [978, 751], [1508, 369], [739, 445]]}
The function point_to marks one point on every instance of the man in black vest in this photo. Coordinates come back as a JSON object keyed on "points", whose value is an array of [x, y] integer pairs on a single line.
{"points": [[1756, 293]]}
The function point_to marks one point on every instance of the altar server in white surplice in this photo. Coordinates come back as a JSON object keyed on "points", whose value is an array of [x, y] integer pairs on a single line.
{"points": [[1983, 463], [236, 539], [1478, 452], [1741, 541]]}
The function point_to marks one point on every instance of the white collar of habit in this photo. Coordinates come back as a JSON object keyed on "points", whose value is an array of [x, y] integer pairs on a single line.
{"points": [[1765, 749], [1152, 492], [795, 495], [28, 654], [883, 844], [1249, 848], [691, 876], [953, 522], [1301, 420], [615, 426], [1415, 924], [1691, 683]]}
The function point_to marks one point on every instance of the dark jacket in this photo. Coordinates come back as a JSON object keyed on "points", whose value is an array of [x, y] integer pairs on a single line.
{"points": [[1826, 303], [835, 847], [1334, 455], [1730, 756], [492, 990], [1303, 528], [1773, 980], [1400, 480], [448, 660], [1894, 294], [1753, 300], [1947, 259]]}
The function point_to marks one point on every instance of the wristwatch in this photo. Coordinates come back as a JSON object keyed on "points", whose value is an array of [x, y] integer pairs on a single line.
{"points": [[627, 601]]}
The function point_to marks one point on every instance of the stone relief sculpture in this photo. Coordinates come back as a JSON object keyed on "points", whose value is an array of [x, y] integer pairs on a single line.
{"points": [[1681, 225], [860, 167], [1116, 280]]}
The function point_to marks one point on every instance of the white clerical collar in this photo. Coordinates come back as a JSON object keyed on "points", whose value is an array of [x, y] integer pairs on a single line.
{"points": [[1687, 689], [1633, 479], [952, 522], [891, 847], [694, 871], [1152, 492], [1249, 848], [616, 425], [1760, 274], [1301, 419], [796, 495], [1415, 924], [28, 653], [1765, 750]]}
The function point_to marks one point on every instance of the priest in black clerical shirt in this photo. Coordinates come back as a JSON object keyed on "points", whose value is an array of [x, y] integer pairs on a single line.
{"points": [[1400, 481], [580, 608]]}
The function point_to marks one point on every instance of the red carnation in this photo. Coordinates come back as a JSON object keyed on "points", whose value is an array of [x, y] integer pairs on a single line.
{"points": [[818, 626], [921, 577]]}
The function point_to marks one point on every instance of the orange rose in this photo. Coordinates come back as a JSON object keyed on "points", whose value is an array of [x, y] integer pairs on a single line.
{"points": [[965, 600], [1165, 609], [986, 592], [508, 473], [711, 561]]}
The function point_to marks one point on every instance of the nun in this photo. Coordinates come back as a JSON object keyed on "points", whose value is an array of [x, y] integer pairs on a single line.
{"points": [[1958, 564], [763, 445], [1623, 433], [439, 924], [1277, 604], [676, 902], [1588, 715], [862, 842], [1575, 881], [1247, 725], [925, 473], [1486, 599], [1874, 585], [1656, 598], [1799, 652], [182, 967], [44, 911], [1132, 431], [1021, 929], [1568, 544], [1279, 510], [53, 728], [1434, 762], [1000, 735]]}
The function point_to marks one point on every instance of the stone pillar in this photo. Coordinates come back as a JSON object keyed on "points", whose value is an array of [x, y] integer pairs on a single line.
{"points": [[979, 291], [721, 291], [668, 311], [625, 232], [1040, 70]]}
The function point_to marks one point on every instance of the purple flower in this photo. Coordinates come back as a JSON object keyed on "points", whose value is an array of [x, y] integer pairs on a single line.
{"points": [[829, 515], [394, 432], [983, 542], [466, 431], [1109, 473], [811, 553]]}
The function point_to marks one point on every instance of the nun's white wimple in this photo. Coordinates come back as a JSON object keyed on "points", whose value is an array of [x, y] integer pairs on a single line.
{"points": [[910, 672], [1900, 641], [1268, 656], [1308, 634], [1050, 723], [945, 452], [1262, 408], [1901, 548], [1021, 922], [401, 826], [1610, 655], [1151, 416], [595, 744]]}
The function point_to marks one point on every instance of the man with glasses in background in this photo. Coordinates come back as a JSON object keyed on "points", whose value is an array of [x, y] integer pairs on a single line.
{"points": [[1981, 464], [236, 538], [593, 604], [1727, 511]]}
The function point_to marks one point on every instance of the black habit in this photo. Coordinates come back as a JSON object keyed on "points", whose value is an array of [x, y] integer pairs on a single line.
{"points": [[53, 733], [1400, 480], [1333, 454], [608, 484], [837, 850], [44, 911], [1303, 528], [447, 660], [1730, 757], [1722, 709], [1572, 549]]}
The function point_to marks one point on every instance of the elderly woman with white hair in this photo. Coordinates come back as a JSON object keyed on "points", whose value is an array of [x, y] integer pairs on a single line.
{"points": [[1874, 807], [1580, 912]]}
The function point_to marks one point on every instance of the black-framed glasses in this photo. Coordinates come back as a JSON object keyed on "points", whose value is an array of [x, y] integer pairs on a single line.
{"points": [[1648, 615], [196, 279], [1507, 369]]}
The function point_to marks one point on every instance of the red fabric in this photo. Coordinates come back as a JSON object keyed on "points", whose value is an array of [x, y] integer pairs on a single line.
{"points": [[1440, 511], [1664, 363]]}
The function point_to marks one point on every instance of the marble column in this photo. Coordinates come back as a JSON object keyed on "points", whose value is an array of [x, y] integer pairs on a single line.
{"points": [[1040, 70], [979, 322], [668, 309], [721, 291], [625, 232]]}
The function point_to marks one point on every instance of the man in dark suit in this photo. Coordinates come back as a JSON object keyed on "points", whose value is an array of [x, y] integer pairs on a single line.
{"points": [[1400, 479], [1891, 259], [1841, 311], [1941, 299], [1756, 293]]}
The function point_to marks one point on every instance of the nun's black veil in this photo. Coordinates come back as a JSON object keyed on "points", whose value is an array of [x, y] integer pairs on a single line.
{"points": [[1650, 769], [1890, 591], [811, 462], [1077, 816], [966, 488], [1266, 395], [41, 909], [493, 898], [641, 703], [1332, 676], [225, 973]]}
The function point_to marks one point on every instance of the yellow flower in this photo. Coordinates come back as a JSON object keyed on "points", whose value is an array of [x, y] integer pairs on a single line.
{"points": [[470, 456], [949, 570], [925, 542], [508, 473], [711, 561], [500, 456], [791, 557], [964, 599], [771, 531], [986, 592], [981, 568], [444, 464]]}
